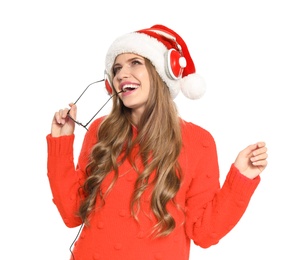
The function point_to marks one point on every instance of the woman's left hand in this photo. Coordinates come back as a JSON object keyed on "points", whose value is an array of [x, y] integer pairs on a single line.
{"points": [[252, 160]]}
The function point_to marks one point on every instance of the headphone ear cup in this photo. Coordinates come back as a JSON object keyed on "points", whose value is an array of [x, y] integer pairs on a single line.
{"points": [[108, 83], [175, 64]]}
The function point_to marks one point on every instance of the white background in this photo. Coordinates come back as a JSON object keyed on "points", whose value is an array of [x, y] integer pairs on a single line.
{"points": [[254, 59]]}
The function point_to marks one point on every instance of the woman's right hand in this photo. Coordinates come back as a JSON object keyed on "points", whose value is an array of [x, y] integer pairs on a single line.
{"points": [[61, 122]]}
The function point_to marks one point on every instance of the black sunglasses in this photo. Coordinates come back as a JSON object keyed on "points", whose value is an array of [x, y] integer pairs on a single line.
{"points": [[85, 125]]}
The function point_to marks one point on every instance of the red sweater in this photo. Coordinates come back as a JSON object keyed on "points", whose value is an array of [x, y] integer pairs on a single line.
{"points": [[211, 211]]}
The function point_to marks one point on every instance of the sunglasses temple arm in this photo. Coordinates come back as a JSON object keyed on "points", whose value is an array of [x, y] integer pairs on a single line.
{"points": [[87, 88], [102, 107]]}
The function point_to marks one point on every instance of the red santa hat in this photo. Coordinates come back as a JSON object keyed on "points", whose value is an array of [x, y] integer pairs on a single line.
{"points": [[167, 52]]}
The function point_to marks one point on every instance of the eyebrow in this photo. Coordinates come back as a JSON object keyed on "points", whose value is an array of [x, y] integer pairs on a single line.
{"points": [[138, 57]]}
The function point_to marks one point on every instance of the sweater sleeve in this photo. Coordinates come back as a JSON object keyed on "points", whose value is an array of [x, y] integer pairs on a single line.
{"points": [[64, 177], [211, 210]]}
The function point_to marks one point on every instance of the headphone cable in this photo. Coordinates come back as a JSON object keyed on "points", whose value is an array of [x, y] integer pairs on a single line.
{"points": [[70, 248]]}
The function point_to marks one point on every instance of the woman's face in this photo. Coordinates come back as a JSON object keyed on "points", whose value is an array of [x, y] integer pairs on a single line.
{"points": [[132, 77]]}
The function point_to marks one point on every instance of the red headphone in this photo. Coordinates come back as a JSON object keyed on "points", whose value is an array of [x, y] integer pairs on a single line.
{"points": [[108, 83], [175, 64]]}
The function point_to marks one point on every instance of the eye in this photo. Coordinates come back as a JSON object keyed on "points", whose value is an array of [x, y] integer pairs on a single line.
{"points": [[136, 62], [116, 69]]}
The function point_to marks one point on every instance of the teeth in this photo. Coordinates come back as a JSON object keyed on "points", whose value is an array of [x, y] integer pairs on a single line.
{"points": [[130, 87]]}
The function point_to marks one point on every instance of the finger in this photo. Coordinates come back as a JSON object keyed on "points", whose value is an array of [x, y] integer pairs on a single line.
{"points": [[247, 152], [260, 163], [60, 116], [259, 151], [261, 144], [73, 111], [260, 157], [64, 113]]}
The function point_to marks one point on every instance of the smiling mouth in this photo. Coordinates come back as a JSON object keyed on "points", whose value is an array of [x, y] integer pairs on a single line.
{"points": [[129, 87]]}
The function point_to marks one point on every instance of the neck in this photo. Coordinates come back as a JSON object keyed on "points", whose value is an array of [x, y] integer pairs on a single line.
{"points": [[136, 116]]}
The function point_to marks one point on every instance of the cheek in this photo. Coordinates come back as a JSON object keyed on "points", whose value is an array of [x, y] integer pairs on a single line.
{"points": [[115, 84], [145, 81]]}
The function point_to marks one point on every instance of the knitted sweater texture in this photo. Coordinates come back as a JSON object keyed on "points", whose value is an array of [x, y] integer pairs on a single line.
{"points": [[207, 210]]}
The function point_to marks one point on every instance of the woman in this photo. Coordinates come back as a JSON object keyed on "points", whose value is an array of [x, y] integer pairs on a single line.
{"points": [[147, 182]]}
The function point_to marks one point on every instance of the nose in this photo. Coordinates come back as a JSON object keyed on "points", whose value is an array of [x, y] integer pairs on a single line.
{"points": [[124, 72]]}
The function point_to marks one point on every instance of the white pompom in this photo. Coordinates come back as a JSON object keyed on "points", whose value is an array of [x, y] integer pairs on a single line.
{"points": [[193, 86]]}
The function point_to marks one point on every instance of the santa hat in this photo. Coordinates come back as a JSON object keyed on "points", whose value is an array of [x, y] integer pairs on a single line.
{"points": [[167, 52]]}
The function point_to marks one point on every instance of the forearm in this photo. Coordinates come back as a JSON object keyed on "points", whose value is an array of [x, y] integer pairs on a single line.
{"points": [[64, 180], [228, 205]]}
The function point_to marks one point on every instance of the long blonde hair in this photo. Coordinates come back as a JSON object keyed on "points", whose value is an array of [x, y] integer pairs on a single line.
{"points": [[159, 139]]}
